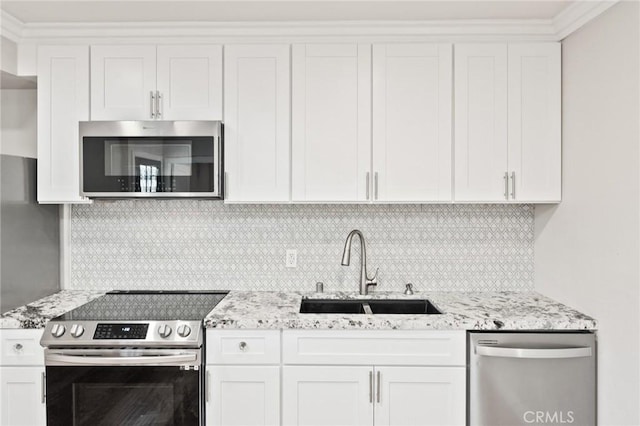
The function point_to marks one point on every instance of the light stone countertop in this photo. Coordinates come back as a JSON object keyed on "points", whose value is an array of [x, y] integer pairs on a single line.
{"points": [[280, 310], [38, 313], [461, 311]]}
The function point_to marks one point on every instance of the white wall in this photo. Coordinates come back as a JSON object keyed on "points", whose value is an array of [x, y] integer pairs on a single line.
{"points": [[9, 56], [18, 123], [586, 248]]}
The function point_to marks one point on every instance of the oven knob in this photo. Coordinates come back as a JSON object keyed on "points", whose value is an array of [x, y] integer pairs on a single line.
{"points": [[164, 331], [57, 330], [77, 330], [183, 330]]}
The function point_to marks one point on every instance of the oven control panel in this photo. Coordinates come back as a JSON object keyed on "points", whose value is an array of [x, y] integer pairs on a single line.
{"points": [[108, 331], [113, 334]]}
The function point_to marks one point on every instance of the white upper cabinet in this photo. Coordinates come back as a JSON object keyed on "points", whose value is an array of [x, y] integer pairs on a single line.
{"points": [[141, 82], [507, 122], [480, 122], [123, 79], [331, 127], [190, 82], [535, 167], [412, 122], [63, 101], [257, 122]]}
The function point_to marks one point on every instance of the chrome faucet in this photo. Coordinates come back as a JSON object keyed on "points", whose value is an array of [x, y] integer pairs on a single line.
{"points": [[365, 281]]}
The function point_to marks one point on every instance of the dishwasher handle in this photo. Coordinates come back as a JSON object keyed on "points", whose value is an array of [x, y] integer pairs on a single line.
{"points": [[550, 353]]}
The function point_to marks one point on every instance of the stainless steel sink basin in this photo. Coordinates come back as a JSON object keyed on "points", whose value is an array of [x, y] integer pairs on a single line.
{"points": [[369, 306]]}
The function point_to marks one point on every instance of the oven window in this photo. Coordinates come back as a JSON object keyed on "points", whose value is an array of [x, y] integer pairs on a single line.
{"points": [[132, 395], [117, 403]]}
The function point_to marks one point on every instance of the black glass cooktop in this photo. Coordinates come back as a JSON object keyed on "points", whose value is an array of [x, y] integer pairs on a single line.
{"points": [[147, 306]]}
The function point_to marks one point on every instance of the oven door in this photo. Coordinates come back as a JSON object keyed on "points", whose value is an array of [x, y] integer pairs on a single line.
{"points": [[123, 387]]}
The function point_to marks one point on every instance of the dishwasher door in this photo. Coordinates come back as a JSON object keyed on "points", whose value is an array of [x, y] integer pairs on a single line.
{"points": [[532, 378]]}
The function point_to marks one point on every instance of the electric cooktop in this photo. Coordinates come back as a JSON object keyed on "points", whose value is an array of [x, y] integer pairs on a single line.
{"points": [[135, 319]]}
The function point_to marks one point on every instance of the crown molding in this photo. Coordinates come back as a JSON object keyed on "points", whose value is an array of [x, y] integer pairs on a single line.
{"points": [[11, 27], [569, 20], [577, 14], [538, 30]]}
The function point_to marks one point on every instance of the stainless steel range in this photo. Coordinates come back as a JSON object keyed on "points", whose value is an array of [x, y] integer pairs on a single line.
{"points": [[128, 357]]}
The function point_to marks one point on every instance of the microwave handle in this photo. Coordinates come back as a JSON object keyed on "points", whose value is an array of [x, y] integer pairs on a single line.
{"points": [[116, 360], [552, 353]]}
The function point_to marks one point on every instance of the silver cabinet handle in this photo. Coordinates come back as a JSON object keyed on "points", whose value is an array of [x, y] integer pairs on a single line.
{"points": [[375, 185], [152, 107], [378, 385], [43, 388], [513, 185], [371, 387], [497, 351], [158, 104], [243, 346], [506, 185], [367, 185], [17, 347]]}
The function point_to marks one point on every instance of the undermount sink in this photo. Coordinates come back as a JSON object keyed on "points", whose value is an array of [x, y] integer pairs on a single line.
{"points": [[369, 306]]}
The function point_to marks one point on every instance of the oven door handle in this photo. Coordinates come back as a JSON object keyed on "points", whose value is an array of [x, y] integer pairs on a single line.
{"points": [[180, 359]]}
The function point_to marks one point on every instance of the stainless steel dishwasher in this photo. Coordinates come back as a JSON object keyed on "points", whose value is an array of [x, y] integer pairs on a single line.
{"points": [[532, 378]]}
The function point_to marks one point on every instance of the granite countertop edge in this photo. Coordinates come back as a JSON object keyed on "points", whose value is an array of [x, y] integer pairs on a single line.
{"points": [[257, 310], [461, 311]]}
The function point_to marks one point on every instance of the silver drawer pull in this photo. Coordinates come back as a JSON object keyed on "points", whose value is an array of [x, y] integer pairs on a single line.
{"points": [[243, 346], [17, 347]]}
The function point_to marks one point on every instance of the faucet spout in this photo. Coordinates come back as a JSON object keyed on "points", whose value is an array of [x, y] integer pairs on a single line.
{"points": [[365, 281]]}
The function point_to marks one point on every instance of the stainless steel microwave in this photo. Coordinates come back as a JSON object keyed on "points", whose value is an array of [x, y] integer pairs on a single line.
{"points": [[151, 159]]}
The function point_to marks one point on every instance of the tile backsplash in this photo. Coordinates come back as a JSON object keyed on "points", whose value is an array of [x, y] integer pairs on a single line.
{"points": [[203, 244]]}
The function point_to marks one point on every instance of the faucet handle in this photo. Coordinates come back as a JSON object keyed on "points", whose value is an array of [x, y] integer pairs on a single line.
{"points": [[373, 280]]}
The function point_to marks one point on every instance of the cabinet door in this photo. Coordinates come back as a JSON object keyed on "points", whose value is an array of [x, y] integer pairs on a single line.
{"points": [[21, 396], [190, 82], [534, 122], [480, 122], [420, 396], [63, 101], [257, 119], [331, 126], [243, 395], [327, 396], [412, 122], [122, 81]]}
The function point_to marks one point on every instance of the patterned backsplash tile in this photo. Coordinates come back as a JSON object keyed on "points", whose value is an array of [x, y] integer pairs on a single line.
{"points": [[201, 244]]}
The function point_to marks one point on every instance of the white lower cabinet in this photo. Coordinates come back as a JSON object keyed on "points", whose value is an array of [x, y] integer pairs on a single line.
{"points": [[371, 377], [358, 395], [420, 396], [22, 380], [336, 378], [243, 378], [21, 401], [327, 395], [243, 395]]}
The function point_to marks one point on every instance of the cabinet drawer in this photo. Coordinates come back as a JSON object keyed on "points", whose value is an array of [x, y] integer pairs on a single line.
{"points": [[397, 347], [21, 347], [243, 347]]}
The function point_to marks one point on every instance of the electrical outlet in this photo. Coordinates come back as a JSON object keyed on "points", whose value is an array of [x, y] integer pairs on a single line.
{"points": [[291, 260]]}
